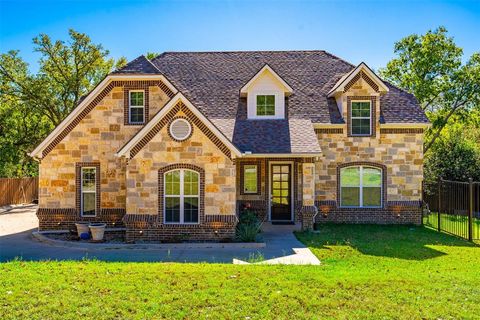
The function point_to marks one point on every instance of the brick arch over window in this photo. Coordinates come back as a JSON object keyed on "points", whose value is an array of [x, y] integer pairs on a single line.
{"points": [[368, 164], [161, 186]]}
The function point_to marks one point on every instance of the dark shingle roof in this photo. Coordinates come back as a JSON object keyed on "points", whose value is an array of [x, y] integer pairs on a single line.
{"points": [[140, 65], [276, 136], [212, 81]]}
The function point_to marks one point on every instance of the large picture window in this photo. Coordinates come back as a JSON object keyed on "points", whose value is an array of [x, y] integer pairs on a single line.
{"points": [[88, 191], [136, 106], [265, 105], [361, 118], [181, 196], [361, 186]]}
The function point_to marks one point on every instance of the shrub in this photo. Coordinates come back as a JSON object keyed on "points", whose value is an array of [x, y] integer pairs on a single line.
{"points": [[248, 226]]}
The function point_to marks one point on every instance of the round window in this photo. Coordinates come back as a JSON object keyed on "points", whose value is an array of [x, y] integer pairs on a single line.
{"points": [[180, 129]]}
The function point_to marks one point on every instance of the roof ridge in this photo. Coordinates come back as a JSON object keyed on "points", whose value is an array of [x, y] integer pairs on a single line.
{"points": [[240, 51], [338, 58]]}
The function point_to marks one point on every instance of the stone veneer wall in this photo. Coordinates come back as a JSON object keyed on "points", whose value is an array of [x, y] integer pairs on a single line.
{"points": [[96, 138], [399, 150], [144, 219]]}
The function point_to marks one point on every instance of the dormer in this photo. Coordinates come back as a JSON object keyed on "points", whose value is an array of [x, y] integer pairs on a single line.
{"points": [[265, 93], [357, 94]]}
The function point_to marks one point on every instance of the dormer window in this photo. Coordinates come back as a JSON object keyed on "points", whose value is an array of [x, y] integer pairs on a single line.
{"points": [[265, 105], [136, 107], [361, 118], [266, 92]]}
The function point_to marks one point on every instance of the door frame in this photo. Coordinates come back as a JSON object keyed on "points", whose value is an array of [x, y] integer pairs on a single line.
{"points": [[269, 187]]}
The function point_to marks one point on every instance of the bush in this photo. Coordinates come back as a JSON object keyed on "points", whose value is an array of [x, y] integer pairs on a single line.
{"points": [[455, 156], [248, 227]]}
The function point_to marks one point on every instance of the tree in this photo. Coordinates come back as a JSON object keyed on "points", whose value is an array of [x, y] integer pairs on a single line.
{"points": [[67, 72], [455, 156], [430, 66], [151, 55], [32, 104]]}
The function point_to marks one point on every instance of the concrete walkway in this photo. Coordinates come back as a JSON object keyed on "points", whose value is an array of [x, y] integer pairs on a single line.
{"points": [[16, 241]]}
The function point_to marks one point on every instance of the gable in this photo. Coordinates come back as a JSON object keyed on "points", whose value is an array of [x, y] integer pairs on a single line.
{"points": [[90, 102], [266, 79], [362, 71], [177, 104]]}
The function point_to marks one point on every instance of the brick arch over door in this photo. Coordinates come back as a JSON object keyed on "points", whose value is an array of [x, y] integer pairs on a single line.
{"points": [[161, 191], [369, 164]]}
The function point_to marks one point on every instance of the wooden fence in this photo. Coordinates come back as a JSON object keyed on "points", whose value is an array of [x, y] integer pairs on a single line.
{"points": [[18, 190]]}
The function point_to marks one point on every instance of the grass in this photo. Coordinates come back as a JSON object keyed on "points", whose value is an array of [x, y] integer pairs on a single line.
{"points": [[454, 224], [367, 272]]}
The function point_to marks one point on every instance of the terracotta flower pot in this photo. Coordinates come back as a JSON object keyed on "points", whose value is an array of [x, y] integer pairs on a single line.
{"points": [[97, 230], [82, 227]]}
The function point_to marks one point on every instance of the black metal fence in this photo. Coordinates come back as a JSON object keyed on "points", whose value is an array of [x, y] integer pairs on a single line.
{"points": [[453, 207]]}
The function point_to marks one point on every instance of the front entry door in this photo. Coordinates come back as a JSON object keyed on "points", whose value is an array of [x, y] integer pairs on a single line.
{"points": [[280, 191]]}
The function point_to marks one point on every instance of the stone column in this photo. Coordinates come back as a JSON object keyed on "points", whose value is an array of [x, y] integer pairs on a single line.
{"points": [[308, 196]]}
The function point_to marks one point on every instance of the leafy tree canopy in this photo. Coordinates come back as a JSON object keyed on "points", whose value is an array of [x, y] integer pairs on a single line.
{"points": [[430, 66], [32, 104]]}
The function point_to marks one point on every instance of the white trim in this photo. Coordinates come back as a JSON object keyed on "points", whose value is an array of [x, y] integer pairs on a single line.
{"points": [[135, 107], [340, 85], [125, 150], [292, 187], [82, 192], [180, 120], [37, 152], [280, 155], [360, 186], [404, 125], [181, 196], [266, 116], [266, 67], [361, 118]]}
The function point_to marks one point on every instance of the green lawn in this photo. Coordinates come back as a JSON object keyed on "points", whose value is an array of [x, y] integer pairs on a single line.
{"points": [[368, 272]]}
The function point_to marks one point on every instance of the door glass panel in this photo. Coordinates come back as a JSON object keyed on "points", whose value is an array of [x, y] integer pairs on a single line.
{"points": [[280, 191]]}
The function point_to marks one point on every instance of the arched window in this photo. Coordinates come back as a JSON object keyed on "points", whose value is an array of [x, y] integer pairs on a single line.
{"points": [[182, 199], [361, 186]]}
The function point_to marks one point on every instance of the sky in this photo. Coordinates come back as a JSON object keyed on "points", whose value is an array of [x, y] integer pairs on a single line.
{"points": [[353, 30]]}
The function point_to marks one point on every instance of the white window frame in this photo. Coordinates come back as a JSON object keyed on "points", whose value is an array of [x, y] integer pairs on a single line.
{"points": [[256, 178], [369, 118], [181, 196], [130, 107], [88, 191], [274, 105], [361, 186]]}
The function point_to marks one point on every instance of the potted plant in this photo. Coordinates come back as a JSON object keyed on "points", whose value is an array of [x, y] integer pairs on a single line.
{"points": [[97, 230], [82, 230]]}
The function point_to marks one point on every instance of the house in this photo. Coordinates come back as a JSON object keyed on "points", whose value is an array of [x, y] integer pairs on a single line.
{"points": [[172, 148]]}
